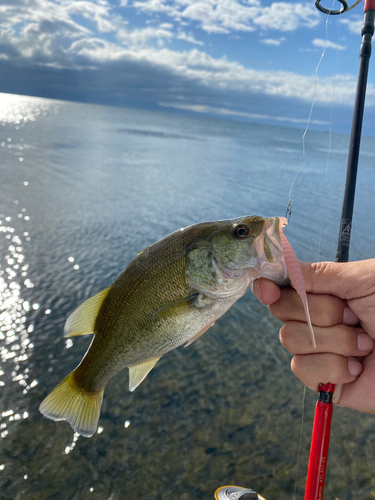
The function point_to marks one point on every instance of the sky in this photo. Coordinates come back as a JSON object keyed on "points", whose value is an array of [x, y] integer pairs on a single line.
{"points": [[245, 60]]}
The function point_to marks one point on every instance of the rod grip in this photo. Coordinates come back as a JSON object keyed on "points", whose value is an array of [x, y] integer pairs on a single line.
{"points": [[320, 444]]}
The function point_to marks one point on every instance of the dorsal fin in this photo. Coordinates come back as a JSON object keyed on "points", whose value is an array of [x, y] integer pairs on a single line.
{"points": [[138, 373], [82, 320]]}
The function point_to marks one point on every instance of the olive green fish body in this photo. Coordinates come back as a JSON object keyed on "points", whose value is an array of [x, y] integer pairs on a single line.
{"points": [[169, 295], [151, 309]]}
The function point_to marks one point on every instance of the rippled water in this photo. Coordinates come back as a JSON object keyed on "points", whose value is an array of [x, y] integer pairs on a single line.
{"points": [[84, 189]]}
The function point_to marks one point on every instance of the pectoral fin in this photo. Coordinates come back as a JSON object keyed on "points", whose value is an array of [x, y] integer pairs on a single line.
{"points": [[138, 373], [179, 306], [82, 320]]}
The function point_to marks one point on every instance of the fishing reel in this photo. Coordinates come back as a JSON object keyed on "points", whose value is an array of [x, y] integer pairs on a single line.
{"points": [[236, 493]]}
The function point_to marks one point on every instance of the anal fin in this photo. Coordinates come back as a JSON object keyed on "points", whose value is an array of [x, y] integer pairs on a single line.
{"points": [[138, 373]]}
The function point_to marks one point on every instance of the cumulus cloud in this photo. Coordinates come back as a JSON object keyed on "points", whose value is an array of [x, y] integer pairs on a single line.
{"points": [[98, 13], [317, 42], [273, 41], [144, 35], [354, 25], [225, 16], [285, 17], [188, 38]]}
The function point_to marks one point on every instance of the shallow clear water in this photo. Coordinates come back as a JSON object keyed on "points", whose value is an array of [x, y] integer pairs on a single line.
{"points": [[84, 189]]}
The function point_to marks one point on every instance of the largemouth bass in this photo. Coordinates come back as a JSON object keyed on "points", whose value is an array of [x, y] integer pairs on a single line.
{"points": [[169, 295]]}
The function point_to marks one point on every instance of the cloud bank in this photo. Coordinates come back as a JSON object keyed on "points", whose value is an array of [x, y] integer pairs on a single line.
{"points": [[63, 47]]}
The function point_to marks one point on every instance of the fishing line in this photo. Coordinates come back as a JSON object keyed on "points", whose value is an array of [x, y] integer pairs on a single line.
{"points": [[289, 207], [329, 142]]}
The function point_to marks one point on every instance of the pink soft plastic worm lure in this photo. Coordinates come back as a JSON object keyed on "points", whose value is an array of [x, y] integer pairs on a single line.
{"points": [[295, 274]]}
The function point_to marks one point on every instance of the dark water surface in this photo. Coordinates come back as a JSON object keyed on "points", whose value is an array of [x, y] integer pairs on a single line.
{"points": [[84, 189]]}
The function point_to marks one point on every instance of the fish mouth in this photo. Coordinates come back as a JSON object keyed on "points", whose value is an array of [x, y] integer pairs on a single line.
{"points": [[272, 240], [271, 261]]}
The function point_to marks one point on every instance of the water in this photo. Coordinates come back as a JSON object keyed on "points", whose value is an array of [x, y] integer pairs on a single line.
{"points": [[84, 189]]}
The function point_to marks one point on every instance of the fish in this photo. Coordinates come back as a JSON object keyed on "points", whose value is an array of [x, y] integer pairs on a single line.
{"points": [[168, 296]]}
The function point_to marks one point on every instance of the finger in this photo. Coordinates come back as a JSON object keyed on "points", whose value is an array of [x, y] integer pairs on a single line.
{"points": [[339, 339], [325, 310], [364, 307], [266, 291], [346, 280], [360, 394], [315, 369]]}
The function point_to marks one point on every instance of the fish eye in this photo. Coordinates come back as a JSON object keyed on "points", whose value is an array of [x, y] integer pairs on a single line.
{"points": [[241, 231]]}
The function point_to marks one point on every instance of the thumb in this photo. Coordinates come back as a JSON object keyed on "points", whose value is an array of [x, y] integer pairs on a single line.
{"points": [[266, 291]]}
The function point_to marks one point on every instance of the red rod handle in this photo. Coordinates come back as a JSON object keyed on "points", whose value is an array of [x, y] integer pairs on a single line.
{"points": [[368, 5], [319, 444]]}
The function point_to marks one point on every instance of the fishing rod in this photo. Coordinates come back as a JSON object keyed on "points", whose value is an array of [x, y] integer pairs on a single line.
{"points": [[323, 412]]}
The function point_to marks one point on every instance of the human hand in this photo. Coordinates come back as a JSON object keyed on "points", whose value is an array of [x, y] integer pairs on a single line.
{"points": [[340, 295]]}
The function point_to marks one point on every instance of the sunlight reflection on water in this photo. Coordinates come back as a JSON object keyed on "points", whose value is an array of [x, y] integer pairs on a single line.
{"points": [[15, 109], [15, 345]]}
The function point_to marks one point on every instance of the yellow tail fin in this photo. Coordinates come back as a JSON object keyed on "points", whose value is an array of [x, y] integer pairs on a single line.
{"points": [[67, 401]]}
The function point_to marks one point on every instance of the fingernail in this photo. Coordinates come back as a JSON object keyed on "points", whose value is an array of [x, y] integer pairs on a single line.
{"points": [[349, 317], [355, 367], [365, 342], [255, 288]]}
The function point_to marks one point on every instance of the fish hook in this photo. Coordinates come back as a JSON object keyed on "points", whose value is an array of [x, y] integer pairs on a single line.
{"points": [[288, 212]]}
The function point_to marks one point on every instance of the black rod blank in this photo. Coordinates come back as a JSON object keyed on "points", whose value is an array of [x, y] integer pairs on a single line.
{"points": [[355, 139]]}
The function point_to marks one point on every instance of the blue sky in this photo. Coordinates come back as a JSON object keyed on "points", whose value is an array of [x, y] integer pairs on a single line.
{"points": [[249, 60]]}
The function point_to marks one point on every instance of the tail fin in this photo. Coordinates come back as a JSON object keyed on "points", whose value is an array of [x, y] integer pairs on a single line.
{"points": [[67, 401]]}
